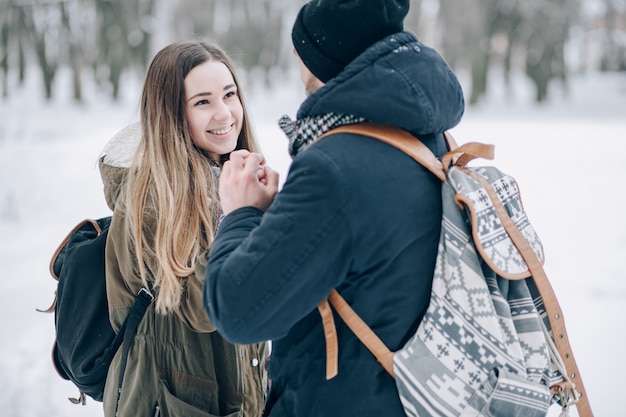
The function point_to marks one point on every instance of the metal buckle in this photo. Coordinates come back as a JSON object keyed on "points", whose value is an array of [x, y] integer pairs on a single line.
{"points": [[568, 396], [147, 291]]}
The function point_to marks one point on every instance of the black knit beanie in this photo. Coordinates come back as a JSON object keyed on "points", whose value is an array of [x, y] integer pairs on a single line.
{"points": [[329, 34]]}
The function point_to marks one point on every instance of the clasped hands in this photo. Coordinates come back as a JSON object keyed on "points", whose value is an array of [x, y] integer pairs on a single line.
{"points": [[246, 181]]}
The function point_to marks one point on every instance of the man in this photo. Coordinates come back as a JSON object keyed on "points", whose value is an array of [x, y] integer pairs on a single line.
{"points": [[354, 213]]}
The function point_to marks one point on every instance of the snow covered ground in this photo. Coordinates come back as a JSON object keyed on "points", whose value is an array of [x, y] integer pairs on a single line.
{"points": [[568, 156]]}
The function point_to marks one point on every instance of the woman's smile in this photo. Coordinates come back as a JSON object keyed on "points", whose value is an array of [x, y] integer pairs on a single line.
{"points": [[222, 131]]}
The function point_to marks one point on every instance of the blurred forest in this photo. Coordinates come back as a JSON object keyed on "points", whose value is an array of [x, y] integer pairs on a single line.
{"points": [[103, 39]]}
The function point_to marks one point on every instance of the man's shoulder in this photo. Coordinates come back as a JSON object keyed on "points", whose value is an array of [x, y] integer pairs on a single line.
{"points": [[345, 144]]}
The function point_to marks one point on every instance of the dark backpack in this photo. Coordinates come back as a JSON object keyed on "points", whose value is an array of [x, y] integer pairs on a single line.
{"points": [[85, 341]]}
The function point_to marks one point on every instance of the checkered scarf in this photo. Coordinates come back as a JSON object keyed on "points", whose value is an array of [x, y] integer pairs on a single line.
{"points": [[304, 131]]}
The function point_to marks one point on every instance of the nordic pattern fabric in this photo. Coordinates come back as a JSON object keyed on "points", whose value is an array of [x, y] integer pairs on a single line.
{"points": [[489, 234], [480, 349]]}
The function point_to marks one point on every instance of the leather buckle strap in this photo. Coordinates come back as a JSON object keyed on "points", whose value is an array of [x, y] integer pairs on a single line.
{"points": [[365, 334], [330, 334]]}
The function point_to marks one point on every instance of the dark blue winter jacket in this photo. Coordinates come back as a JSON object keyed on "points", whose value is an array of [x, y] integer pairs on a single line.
{"points": [[354, 214]]}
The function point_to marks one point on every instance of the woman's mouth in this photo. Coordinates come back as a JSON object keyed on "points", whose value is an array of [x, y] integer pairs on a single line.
{"points": [[221, 131]]}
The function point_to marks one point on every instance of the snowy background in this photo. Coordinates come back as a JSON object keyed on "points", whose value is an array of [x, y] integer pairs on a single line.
{"points": [[569, 157]]}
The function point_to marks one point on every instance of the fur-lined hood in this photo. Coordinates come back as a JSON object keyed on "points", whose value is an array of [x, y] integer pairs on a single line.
{"points": [[115, 160]]}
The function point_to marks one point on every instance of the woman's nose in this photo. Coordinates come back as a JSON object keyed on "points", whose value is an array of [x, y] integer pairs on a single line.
{"points": [[222, 112]]}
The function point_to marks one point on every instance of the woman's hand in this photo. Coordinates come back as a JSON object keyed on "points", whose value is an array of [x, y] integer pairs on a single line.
{"points": [[246, 181]]}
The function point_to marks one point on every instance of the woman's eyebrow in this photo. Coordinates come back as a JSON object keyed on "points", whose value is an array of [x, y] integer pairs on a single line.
{"points": [[199, 95], [228, 87]]}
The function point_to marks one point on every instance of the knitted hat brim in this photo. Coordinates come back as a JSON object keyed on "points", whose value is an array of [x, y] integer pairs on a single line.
{"points": [[323, 67]]}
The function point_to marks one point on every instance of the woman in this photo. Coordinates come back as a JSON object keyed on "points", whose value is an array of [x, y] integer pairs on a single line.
{"points": [[160, 179]]}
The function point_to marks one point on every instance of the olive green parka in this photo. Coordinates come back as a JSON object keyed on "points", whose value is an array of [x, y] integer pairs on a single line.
{"points": [[178, 364]]}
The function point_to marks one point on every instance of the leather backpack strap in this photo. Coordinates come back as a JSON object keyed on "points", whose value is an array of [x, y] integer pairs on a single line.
{"points": [[365, 334], [412, 146], [398, 138], [452, 145], [362, 331], [330, 335]]}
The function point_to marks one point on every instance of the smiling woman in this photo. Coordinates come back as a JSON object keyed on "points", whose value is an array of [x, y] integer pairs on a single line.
{"points": [[213, 108], [165, 214]]}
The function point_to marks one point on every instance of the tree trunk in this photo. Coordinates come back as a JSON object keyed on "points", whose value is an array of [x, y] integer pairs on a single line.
{"points": [[74, 51], [48, 67], [4, 58]]}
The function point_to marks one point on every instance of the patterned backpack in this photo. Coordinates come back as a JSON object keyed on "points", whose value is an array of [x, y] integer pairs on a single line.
{"points": [[493, 341]]}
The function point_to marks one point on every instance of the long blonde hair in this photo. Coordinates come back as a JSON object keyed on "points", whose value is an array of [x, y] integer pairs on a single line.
{"points": [[171, 190]]}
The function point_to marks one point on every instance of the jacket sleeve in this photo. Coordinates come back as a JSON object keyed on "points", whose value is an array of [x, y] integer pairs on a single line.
{"points": [[267, 271]]}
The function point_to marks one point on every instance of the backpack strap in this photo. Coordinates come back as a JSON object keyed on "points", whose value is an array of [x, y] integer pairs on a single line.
{"points": [[382, 353], [399, 138], [127, 333], [569, 394], [412, 146], [330, 336]]}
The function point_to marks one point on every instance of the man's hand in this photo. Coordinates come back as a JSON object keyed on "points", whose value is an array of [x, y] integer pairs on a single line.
{"points": [[246, 181]]}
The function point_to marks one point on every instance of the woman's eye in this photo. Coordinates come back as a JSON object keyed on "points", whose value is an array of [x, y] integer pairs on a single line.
{"points": [[231, 94], [202, 102]]}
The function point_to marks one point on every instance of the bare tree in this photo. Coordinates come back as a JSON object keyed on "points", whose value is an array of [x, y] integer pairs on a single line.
{"points": [[124, 33], [466, 38], [614, 50], [254, 33], [42, 24], [545, 56], [5, 19], [74, 33]]}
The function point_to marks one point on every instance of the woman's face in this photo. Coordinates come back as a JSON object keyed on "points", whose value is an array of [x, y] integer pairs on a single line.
{"points": [[213, 109]]}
